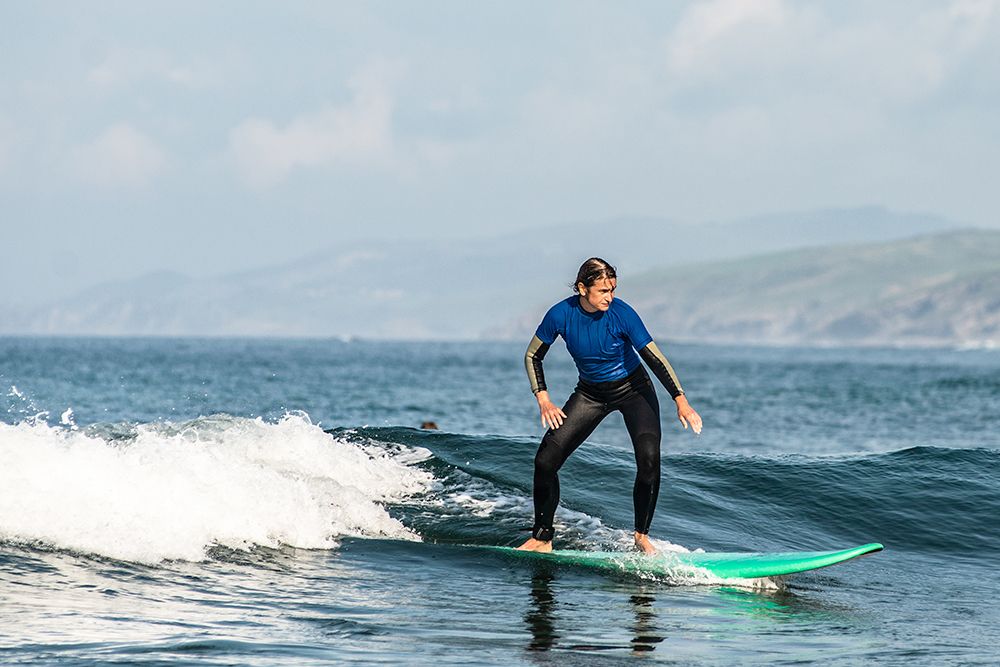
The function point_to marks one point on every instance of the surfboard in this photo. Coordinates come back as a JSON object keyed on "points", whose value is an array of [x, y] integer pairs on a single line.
{"points": [[690, 564]]}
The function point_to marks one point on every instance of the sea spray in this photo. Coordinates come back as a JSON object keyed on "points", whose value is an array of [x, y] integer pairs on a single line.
{"points": [[172, 490]]}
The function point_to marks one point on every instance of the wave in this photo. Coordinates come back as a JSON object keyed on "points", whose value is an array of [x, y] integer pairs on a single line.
{"points": [[931, 500], [924, 499], [160, 491], [149, 492]]}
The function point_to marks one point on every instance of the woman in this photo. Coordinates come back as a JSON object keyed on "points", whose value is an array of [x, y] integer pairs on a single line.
{"points": [[600, 333]]}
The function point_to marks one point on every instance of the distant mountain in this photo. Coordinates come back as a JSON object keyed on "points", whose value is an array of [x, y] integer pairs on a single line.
{"points": [[941, 289], [423, 289]]}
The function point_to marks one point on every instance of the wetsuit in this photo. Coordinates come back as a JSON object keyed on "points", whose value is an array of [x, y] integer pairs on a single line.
{"points": [[603, 346]]}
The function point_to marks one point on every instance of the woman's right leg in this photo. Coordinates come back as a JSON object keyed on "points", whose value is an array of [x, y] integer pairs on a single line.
{"points": [[582, 417]]}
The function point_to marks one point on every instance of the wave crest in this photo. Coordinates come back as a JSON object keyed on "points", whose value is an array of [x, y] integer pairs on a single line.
{"points": [[171, 491]]}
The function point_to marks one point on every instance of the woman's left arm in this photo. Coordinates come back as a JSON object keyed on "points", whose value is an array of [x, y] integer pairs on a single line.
{"points": [[664, 372]]}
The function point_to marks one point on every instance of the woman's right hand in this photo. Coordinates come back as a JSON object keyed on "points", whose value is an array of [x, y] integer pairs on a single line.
{"points": [[552, 415]]}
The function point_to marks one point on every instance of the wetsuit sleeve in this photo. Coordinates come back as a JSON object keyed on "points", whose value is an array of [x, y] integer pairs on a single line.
{"points": [[661, 369], [533, 363]]}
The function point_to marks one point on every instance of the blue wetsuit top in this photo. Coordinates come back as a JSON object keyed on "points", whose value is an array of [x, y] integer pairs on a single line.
{"points": [[602, 344]]}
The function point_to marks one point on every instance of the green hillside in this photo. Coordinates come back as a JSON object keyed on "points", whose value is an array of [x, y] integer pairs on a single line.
{"points": [[941, 289]]}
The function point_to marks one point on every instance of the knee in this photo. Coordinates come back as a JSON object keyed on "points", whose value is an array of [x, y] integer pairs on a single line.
{"points": [[547, 460], [647, 459], [648, 474]]}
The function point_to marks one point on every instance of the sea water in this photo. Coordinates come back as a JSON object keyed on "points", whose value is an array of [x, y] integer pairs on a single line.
{"points": [[175, 501]]}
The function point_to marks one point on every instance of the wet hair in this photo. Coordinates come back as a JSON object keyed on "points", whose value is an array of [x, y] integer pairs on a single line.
{"points": [[591, 271]]}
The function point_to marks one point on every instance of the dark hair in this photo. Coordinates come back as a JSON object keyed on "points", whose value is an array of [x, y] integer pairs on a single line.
{"points": [[591, 271]]}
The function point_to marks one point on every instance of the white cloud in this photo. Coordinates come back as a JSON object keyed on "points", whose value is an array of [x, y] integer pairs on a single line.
{"points": [[121, 156], [357, 133], [978, 11], [709, 28], [762, 48], [126, 66]]}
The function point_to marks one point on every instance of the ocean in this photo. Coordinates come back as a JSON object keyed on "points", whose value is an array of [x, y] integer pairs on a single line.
{"points": [[275, 502]]}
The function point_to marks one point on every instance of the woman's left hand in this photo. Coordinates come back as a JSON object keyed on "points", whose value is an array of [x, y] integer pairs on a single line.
{"points": [[687, 415]]}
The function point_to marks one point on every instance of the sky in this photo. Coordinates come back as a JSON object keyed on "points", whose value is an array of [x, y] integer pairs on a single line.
{"points": [[206, 138]]}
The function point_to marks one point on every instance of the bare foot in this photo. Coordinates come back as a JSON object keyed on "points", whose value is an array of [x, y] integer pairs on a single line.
{"points": [[536, 545], [643, 544]]}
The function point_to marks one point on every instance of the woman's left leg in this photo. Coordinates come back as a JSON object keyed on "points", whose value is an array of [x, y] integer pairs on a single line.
{"points": [[641, 411]]}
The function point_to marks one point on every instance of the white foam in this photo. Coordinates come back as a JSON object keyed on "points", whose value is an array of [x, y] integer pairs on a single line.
{"points": [[696, 576], [67, 419], [175, 490]]}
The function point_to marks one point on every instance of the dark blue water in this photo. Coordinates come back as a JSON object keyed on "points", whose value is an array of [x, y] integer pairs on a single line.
{"points": [[273, 502]]}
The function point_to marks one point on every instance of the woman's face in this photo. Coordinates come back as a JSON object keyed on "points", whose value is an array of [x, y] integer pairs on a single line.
{"points": [[598, 296]]}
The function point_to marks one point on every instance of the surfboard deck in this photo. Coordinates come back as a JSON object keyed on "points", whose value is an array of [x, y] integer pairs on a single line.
{"points": [[687, 564]]}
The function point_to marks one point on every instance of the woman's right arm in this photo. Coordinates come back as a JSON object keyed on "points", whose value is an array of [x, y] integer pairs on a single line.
{"points": [[552, 416]]}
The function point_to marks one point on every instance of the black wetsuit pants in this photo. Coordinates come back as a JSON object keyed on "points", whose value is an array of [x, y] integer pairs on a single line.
{"points": [[589, 404]]}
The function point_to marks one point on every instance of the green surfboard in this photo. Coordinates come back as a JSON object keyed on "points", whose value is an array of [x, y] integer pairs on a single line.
{"points": [[691, 564]]}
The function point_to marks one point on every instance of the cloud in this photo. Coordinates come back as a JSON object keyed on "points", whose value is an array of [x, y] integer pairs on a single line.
{"points": [[758, 49], [707, 30], [756, 106], [357, 133], [123, 66], [120, 157]]}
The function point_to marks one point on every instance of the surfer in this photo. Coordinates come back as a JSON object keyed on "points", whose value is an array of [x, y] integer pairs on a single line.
{"points": [[602, 334]]}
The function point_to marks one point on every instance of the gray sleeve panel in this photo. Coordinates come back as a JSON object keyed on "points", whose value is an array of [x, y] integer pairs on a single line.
{"points": [[661, 369], [533, 363]]}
